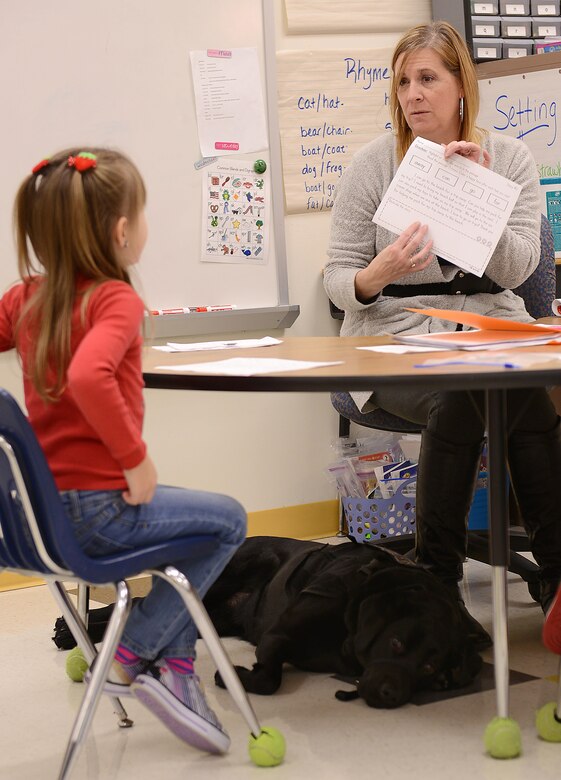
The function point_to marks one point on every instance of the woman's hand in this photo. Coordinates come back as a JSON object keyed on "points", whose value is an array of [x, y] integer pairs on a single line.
{"points": [[407, 255], [141, 481], [469, 150]]}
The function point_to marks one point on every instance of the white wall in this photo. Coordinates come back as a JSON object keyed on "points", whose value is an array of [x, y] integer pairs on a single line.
{"points": [[267, 450]]}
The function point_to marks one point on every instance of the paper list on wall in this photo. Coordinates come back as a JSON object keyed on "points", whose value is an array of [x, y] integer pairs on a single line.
{"points": [[331, 102], [235, 213], [465, 205], [229, 101]]}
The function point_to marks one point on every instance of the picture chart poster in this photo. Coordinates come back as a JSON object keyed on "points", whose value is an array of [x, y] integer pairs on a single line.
{"points": [[236, 213]]}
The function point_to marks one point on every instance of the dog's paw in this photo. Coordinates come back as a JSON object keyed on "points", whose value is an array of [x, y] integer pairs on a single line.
{"points": [[242, 673], [254, 680]]}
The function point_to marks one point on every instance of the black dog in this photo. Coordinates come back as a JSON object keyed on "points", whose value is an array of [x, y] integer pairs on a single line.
{"points": [[351, 609]]}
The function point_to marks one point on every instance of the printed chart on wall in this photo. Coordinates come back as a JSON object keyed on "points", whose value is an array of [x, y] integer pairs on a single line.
{"points": [[236, 213], [331, 102], [525, 105], [231, 118]]}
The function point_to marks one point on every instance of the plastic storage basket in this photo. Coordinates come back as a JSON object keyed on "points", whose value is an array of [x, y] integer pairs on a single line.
{"points": [[375, 519]]}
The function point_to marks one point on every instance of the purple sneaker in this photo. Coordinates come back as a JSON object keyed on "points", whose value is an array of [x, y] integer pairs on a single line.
{"points": [[179, 702], [120, 677]]}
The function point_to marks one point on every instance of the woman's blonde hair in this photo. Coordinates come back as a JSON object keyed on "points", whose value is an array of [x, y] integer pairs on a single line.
{"points": [[445, 40], [64, 220]]}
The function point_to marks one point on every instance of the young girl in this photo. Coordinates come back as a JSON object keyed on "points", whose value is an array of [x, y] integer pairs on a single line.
{"points": [[76, 321]]}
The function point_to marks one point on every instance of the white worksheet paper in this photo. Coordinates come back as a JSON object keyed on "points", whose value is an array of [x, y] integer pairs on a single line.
{"points": [[250, 366], [465, 205], [200, 346], [229, 101], [398, 349]]}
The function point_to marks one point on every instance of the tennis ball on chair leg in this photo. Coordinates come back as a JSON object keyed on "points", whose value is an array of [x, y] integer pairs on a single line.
{"points": [[268, 748], [502, 738], [76, 665], [547, 723]]}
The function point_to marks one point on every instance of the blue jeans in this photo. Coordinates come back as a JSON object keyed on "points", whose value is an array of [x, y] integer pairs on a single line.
{"points": [[104, 523]]}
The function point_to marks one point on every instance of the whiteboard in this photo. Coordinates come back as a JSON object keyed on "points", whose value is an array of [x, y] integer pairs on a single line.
{"points": [[521, 98], [117, 73]]}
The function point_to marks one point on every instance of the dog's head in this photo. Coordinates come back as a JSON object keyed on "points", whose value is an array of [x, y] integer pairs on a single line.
{"points": [[406, 633]]}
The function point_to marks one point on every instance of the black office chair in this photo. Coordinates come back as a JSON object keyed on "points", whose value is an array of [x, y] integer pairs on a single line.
{"points": [[538, 291]]}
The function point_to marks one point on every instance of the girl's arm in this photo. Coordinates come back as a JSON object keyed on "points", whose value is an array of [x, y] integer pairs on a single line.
{"points": [[10, 306], [142, 482], [105, 374]]}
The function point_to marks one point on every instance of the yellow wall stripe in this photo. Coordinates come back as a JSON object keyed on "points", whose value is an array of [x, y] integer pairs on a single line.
{"points": [[305, 521]]}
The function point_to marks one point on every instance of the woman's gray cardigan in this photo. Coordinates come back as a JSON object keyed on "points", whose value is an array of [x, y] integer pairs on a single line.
{"points": [[355, 240]]}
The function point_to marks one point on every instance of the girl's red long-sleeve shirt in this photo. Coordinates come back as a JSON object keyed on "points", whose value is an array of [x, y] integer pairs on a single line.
{"points": [[94, 430]]}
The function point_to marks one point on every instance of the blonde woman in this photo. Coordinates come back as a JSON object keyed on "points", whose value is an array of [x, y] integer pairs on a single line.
{"points": [[373, 275]]}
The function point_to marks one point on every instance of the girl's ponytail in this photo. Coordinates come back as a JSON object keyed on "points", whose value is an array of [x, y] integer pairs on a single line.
{"points": [[65, 212]]}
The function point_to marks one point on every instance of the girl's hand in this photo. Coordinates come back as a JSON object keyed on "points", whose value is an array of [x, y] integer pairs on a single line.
{"points": [[141, 481], [470, 150], [407, 255]]}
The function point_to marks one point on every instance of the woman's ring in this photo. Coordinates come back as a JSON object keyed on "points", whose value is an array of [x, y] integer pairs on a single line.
{"points": [[413, 264]]}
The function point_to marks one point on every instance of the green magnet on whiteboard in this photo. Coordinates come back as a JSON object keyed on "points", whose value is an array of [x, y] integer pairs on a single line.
{"points": [[259, 166]]}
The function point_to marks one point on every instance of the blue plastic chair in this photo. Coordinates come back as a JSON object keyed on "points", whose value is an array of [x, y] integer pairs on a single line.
{"points": [[36, 538]]}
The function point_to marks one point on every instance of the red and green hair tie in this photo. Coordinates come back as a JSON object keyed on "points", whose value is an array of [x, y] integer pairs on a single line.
{"points": [[83, 161], [40, 165]]}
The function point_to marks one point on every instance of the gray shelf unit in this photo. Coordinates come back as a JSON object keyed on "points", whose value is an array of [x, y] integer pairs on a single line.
{"points": [[501, 29]]}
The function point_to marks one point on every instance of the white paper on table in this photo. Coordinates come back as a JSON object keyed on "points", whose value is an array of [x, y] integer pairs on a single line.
{"points": [[266, 341], [465, 206], [400, 349], [250, 366], [229, 101]]}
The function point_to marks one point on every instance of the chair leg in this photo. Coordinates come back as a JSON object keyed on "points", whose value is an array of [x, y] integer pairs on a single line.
{"points": [[83, 601], [73, 620], [78, 629], [344, 430], [94, 690], [80, 634], [215, 647], [500, 639], [478, 549], [344, 426]]}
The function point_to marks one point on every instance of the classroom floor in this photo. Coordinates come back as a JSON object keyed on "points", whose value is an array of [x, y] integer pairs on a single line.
{"points": [[326, 738]]}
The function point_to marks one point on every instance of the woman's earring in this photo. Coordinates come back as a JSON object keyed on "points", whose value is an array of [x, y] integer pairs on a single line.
{"points": [[461, 109], [126, 244]]}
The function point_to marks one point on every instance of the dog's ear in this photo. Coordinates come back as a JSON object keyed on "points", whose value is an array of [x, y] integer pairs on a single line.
{"points": [[392, 578], [376, 596], [383, 558]]}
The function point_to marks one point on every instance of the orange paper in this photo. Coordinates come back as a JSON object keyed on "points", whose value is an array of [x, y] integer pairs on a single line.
{"points": [[482, 322]]}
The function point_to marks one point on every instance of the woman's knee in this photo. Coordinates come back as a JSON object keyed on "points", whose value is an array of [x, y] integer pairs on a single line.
{"points": [[531, 411], [457, 417]]}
